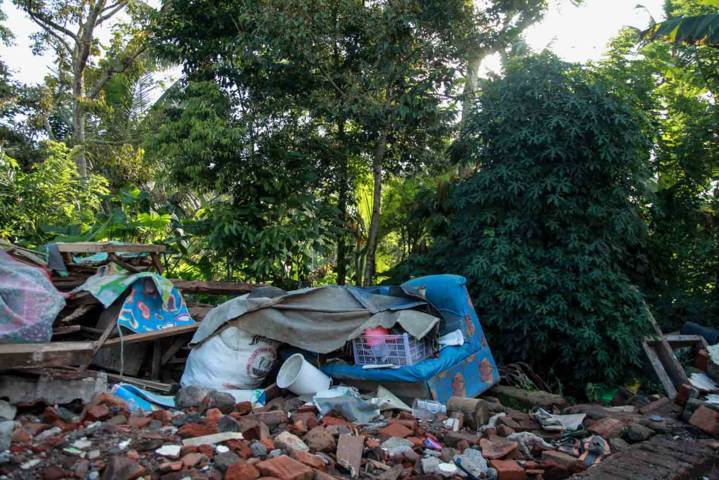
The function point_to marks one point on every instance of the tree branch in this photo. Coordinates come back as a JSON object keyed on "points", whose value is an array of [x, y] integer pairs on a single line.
{"points": [[113, 10], [107, 73], [46, 23], [52, 33]]}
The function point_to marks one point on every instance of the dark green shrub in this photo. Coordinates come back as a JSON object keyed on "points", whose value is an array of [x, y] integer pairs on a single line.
{"points": [[548, 230]]}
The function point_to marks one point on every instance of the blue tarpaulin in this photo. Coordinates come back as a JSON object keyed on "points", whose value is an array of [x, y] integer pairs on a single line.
{"points": [[466, 370]]}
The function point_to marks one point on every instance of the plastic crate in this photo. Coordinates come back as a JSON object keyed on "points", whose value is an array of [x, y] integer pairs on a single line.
{"points": [[401, 349]]}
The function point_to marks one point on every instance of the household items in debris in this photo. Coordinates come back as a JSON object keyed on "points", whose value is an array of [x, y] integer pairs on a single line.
{"points": [[29, 303], [301, 377], [395, 327], [231, 359]]}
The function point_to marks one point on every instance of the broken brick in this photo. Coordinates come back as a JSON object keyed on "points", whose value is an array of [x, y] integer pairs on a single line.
{"points": [[395, 430], [191, 430], [285, 468], [320, 440], [241, 471], [349, 453], [508, 470], [243, 408], [122, 468], [706, 419], [139, 422], [496, 448], [607, 427], [312, 461]]}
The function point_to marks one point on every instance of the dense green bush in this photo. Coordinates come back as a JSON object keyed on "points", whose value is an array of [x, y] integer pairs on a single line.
{"points": [[548, 229]]}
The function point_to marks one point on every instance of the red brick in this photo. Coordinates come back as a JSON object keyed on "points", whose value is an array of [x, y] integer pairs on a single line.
{"points": [[497, 448], [504, 431], [330, 420], [683, 394], [706, 419], [206, 450], [508, 470], [320, 440], [271, 418], [96, 412], [192, 459], [561, 460], [191, 430], [285, 468], [607, 427], [21, 436], [308, 459], [241, 471], [407, 422], [162, 415], [139, 422], [702, 360], [243, 408], [395, 430], [213, 415]]}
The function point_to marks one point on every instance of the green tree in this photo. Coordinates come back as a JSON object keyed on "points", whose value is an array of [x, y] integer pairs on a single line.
{"points": [[677, 84], [375, 84], [70, 29], [548, 229]]}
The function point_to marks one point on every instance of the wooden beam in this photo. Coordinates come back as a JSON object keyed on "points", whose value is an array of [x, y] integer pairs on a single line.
{"points": [[683, 341], [38, 355], [152, 336], [666, 355], [156, 357], [659, 369], [217, 288], [173, 349], [64, 330], [140, 382], [95, 247]]}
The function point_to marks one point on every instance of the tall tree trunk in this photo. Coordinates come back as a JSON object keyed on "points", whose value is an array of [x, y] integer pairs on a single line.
{"points": [[470, 84], [78, 121], [370, 267], [341, 264]]}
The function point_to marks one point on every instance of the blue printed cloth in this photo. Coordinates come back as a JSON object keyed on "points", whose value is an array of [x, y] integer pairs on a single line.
{"points": [[144, 311]]}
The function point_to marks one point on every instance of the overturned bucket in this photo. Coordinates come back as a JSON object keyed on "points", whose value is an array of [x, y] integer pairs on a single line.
{"points": [[301, 377]]}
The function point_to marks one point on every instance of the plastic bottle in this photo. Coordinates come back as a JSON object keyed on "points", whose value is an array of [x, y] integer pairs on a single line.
{"points": [[426, 409]]}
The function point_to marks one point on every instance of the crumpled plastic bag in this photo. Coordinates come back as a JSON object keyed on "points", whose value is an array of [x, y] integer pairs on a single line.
{"points": [[29, 302]]}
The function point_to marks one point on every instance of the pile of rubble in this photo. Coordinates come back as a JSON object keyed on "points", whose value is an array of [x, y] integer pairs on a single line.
{"points": [[211, 436]]}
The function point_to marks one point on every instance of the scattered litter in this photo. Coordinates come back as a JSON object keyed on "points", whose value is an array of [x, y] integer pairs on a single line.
{"points": [[703, 383], [212, 439], [558, 423]]}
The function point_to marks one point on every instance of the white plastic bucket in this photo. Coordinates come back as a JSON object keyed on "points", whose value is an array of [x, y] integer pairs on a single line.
{"points": [[301, 377]]}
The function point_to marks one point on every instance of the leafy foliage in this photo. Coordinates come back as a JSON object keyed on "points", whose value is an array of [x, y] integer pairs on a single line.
{"points": [[548, 229], [51, 193]]}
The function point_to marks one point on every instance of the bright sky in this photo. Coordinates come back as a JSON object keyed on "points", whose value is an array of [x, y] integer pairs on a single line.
{"points": [[574, 33]]}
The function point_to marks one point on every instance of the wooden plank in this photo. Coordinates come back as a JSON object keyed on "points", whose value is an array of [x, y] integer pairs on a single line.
{"points": [[152, 336], [38, 355], [78, 312], [217, 288], [156, 357], [94, 247], [682, 341], [173, 349], [65, 330], [659, 369], [198, 313], [666, 355], [140, 382]]}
